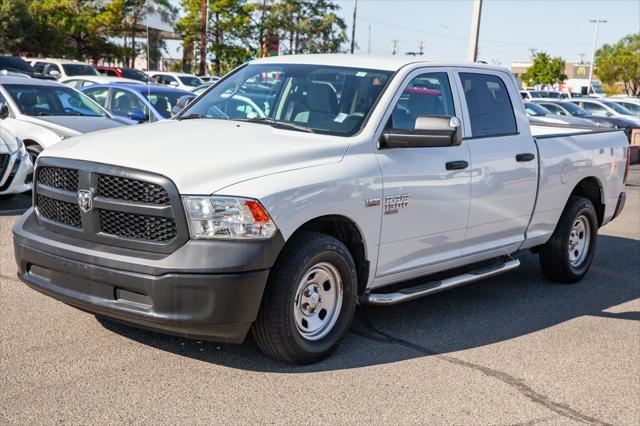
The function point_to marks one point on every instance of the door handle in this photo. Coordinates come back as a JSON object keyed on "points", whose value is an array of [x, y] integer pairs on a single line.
{"points": [[525, 157], [456, 165]]}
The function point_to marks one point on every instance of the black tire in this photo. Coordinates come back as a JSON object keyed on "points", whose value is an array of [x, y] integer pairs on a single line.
{"points": [[555, 258], [275, 329], [34, 150]]}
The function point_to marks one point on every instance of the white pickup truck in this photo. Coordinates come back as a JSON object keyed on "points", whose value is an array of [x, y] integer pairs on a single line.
{"points": [[300, 186]]}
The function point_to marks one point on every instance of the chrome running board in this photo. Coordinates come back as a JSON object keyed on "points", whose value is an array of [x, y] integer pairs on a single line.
{"points": [[425, 289]]}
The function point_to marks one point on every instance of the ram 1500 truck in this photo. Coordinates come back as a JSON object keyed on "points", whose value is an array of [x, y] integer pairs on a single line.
{"points": [[300, 186]]}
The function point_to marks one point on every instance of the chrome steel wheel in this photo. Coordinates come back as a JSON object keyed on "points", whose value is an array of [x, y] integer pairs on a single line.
{"points": [[318, 301], [579, 240]]}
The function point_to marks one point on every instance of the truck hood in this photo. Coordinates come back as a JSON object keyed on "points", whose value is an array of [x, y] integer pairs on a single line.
{"points": [[72, 125], [206, 155]]}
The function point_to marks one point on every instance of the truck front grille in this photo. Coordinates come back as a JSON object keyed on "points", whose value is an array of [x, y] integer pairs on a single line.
{"points": [[60, 178], [141, 227], [128, 208], [121, 188], [59, 211]]}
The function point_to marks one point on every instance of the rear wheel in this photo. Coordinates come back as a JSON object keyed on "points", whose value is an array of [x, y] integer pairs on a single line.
{"points": [[568, 254], [309, 301]]}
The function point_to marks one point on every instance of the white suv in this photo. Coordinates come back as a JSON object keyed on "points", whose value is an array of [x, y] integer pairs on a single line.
{"points": [[178, 80], [62, 68]]}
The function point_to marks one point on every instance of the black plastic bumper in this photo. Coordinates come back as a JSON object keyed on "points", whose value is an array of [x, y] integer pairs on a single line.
{"points": [[190, 292]]}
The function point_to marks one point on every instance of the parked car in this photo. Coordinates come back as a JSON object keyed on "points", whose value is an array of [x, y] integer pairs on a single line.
{"points": [[632, 104], [130, 73], [543, 115], [363, 175], [175, 79], [43, 113], [527, 95], [137, 102], [13, 64], [16, 168], [62, 68], [605, 108], [91, 80], [210, 78], [569, 109]]}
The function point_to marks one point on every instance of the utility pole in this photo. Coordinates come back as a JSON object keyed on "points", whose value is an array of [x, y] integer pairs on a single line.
{"points": [[353, 28], [204, 9], [421, 48], [532, 51], [395, 46], [593, 54], [475, 31], [582, 55]]}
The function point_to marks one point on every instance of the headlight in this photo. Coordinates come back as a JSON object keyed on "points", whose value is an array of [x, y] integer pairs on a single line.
{"points": [[227, 218]]}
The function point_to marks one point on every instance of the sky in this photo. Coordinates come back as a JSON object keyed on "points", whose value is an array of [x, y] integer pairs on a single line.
{"points": [[508, 28]]}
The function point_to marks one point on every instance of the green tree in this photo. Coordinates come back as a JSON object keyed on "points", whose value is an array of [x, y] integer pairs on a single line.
{"points": [[17, 27], [545, 70], [620, 63]]}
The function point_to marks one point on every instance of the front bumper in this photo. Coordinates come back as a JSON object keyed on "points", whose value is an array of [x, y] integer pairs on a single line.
{"points": [[18, 175], [208, 290]]}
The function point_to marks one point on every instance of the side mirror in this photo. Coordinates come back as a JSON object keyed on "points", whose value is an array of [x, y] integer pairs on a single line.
{"points": [[182, 102], [137, 115], [54, 73], [430, 131], [174, 83], [4, 111]]}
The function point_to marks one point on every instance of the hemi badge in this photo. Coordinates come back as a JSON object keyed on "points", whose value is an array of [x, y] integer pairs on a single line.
{"points": [[372, 202]]}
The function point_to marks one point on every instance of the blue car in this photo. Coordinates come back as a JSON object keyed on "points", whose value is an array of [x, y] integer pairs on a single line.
{"points": [[136, 103]]}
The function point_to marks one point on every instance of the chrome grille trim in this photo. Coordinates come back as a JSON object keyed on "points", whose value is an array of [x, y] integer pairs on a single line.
{"points": [[135, 224]]}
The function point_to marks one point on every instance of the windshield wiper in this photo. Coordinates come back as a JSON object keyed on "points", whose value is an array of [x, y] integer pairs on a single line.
{"points": [[278, 124], [191, 117]]}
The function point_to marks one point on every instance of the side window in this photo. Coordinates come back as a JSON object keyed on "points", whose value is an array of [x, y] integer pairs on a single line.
{"points": [[594, 108], [124, 102], [554, 109], [99, 95], [490, 109], [112, 73], [39, 67], [426, 94]]}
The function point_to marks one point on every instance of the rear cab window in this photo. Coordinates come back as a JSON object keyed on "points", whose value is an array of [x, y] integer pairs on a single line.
{"points": [[489, 105]]}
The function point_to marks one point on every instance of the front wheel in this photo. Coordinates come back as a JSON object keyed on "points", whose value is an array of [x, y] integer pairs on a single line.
{"points": [[309, 300], [568, 254]]}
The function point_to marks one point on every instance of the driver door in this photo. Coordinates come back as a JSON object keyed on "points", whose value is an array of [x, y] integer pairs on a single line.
{"points": [[425, 198]]}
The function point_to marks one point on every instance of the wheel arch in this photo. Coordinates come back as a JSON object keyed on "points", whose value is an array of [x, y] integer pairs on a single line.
{"points": [[347, 232], [592, 189]]}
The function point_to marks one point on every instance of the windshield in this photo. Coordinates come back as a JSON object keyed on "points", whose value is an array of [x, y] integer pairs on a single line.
{"points": [[52, 100], [574, 109], [618, 108], [189, 80], [11, 63], [79, 69], [134, 74], [535, 110], [163, 102], [323, 99]]}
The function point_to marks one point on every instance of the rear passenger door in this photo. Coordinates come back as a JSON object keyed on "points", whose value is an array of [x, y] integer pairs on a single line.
{"points": [[503, 162]]}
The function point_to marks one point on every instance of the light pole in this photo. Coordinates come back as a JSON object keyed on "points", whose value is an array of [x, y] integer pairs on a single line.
{"points": [[593, 55], [353, 28], [448, 40], [475, 31]]}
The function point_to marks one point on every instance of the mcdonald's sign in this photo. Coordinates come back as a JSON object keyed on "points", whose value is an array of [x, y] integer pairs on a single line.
{"points": [[581, 71]]}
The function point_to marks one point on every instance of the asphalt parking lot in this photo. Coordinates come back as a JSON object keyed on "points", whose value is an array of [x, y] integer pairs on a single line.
{"points": [[514, 349]]}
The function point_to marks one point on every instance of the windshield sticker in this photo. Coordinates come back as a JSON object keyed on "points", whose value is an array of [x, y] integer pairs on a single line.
{"points": [[340, 118], [361, 74]]}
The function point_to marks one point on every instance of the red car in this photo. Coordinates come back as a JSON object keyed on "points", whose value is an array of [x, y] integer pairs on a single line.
{"points": [[123, 72]]}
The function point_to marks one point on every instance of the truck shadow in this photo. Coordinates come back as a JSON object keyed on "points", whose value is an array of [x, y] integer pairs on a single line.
{"points": [[491, 311]]}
